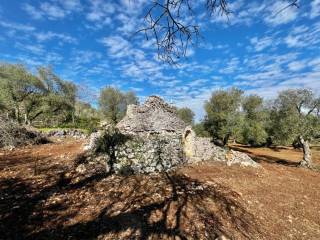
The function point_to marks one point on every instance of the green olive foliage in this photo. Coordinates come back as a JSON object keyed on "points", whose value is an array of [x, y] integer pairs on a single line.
{"points": [[113, 103]]}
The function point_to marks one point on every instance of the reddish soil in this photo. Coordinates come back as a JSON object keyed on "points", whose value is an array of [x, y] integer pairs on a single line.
{"points": [[42, 197]]}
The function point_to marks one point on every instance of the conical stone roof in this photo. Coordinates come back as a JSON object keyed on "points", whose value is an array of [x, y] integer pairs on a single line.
{"points": [[155, 116]]}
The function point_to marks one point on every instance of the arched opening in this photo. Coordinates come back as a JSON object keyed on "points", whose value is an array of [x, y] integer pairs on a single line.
{"points": [[187, 134]]}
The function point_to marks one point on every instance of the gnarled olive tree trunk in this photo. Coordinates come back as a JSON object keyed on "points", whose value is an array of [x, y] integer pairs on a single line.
{"points": [[307, 159]]}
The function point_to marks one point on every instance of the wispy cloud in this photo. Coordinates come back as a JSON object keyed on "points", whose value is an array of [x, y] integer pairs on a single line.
{"points": [[52, 10], [34, 49], [100, 13], [47, 36], [17, 26], [278, 13], [315, 9]]}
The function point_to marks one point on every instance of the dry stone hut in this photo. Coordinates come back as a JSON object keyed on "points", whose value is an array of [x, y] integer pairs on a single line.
{"points": [[154, 139]]}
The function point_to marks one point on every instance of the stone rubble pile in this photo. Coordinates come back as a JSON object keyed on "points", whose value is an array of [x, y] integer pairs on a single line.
{"points": [[202, 149], [236, 157], [13, 135]]}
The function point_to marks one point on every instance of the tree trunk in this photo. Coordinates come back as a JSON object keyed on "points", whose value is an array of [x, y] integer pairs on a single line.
{"points": [[307, 160], [226, 139], [26, 119], [17, 114]]}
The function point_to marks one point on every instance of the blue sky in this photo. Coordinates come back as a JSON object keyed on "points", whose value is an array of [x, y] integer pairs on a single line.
{"points": [[92, 43]]}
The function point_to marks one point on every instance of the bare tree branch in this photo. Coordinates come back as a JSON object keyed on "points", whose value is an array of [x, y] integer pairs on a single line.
{"points": [[294, 3], [168, 24]]}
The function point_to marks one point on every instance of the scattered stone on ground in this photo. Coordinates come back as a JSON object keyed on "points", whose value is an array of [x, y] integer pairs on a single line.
{"points": [[75, 133]]}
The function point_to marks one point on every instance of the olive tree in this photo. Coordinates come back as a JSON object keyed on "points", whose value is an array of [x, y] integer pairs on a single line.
{"points": [[253, 130], [186, 114], [223, 115], [44, 94], [55, 98], [17, 85], [113, 103], [295, 116]]}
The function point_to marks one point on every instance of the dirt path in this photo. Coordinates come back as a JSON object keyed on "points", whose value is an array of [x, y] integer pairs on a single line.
{"points": [[49, 200]]}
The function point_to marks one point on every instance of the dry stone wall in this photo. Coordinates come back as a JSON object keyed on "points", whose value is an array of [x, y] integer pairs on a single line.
{"points": [[136, 154], [147, 155]]}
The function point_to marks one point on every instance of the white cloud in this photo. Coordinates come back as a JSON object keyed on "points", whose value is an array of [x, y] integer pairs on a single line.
{"points": [[315, 9], [132, 7], [53, 10], [17, 26], [278, 14], [249, 12], [32, 11], [34, 49], [304, 37], [47, 36], [71, 5], [296, 66], [100, 13], [262, 43], [128, 24], [117, 45], [315, 64], [231, 66], [82, 57], [120, 48]]}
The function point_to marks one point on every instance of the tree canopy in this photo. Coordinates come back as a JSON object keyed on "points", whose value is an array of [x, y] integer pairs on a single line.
{"points": [[186, 114], [113, 103], [222, 113], [27, 96]]}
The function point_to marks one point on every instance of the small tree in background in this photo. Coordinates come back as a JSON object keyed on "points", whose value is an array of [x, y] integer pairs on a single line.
{"points": [[223, 115], [113, 103], [255, 115], [295, 116], [186, 114]]}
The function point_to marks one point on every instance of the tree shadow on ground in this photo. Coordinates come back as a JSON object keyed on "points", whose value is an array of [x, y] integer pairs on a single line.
{"points": [[266, 158], [156, 206], [23, 202], [144, 207]]}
